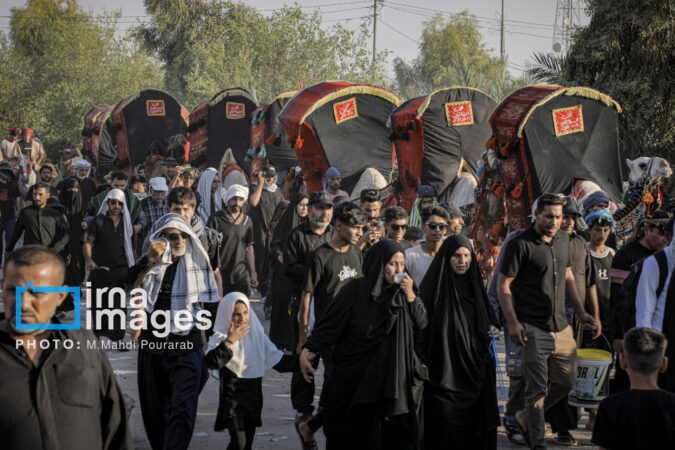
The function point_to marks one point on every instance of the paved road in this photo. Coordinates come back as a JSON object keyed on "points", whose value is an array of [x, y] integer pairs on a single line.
{"points": [[277, 431]]}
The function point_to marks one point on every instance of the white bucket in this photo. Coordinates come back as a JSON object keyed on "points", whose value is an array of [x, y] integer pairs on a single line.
{"points": [[592, 385]]}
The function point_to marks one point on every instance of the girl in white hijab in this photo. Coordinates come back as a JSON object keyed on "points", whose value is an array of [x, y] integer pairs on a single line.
{"points": [[242, 352]]}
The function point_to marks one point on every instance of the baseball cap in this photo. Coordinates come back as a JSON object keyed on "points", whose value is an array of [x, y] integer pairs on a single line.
{"points": [[426, 191], [319, 199], [159, 184]]}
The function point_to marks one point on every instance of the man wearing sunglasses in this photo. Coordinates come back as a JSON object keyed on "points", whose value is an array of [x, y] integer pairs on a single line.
{"points": [[108, 254], [396, 224], [435, 221]]}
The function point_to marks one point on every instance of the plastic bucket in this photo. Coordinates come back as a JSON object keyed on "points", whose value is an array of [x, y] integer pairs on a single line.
{"points": [[592, 385]]}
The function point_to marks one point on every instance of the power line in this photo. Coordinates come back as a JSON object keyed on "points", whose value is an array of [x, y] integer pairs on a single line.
{"points": [[397, 31]]}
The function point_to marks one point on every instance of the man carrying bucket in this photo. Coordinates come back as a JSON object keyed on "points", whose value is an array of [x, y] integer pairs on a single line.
{"points": [[535, 277]]}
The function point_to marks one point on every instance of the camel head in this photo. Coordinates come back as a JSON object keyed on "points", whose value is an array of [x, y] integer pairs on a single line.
{"points": [[648, 168]]}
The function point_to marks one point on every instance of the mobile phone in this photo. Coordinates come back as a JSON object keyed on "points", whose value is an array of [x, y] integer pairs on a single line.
{"points": [[399, 277]]}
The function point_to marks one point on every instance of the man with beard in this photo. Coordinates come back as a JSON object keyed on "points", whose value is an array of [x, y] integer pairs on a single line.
{"points": [[264, 199], [182, 202], [300, 245], [372, 206], [332, 266], [40, 225], [52, 396], [107, 250], [118, 180], [237, 261], [208, 190], [87, 185], [45, 174], [456, 222], [535, 277], [333, 179], [177, 276], [426, 197]]}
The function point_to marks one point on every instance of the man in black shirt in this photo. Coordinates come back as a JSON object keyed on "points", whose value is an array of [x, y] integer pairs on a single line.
{"points": [[39, 224], [644, 416], [372, 206], [265, 197], [237, 261], [52, 396], [300, 245], [535, 277], [106, 246], [333, 265], [177, 276], [396, 224], [652, 237]]}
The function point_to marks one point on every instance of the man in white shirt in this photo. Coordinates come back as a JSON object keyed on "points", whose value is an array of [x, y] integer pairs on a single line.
{"points": [[435, 221]]}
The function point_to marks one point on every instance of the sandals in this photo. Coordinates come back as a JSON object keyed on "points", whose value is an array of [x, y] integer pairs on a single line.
{"points": [[312, 445]]}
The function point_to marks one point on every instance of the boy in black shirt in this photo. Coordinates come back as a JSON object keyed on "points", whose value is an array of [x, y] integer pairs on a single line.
{"points": [[332, 266], [644, 416]]}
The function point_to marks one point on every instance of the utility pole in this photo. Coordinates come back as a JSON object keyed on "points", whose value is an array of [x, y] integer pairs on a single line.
{"points": [[374, 30], [501, 45]]}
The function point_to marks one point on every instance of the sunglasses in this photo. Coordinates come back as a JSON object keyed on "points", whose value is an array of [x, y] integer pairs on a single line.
{"points": [[175, 236], [437, 226], [397, 227], [116, 202]]}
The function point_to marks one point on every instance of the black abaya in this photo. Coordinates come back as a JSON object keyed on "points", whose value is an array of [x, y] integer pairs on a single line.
{"points": [[72, 202], [282, 330], [375, 389], [460, 397]]}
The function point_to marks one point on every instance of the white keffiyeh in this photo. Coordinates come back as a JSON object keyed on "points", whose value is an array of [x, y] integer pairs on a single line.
{"points": [[253, 354], [204, 189], [128, 229], [194, 281]]}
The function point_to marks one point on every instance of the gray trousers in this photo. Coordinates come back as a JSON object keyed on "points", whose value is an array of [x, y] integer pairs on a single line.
{"points": [[549, 363]]}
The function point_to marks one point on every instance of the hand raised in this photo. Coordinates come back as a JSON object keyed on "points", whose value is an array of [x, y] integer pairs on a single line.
{"points": [[236, 332], [155, 250]]}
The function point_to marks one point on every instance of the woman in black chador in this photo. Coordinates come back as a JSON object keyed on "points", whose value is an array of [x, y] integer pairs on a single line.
{"points": [[460, 398], [375, 390]]}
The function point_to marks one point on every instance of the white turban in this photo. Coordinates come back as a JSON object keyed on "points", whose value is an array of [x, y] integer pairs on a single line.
{"points": [[236, 190], [81, 163]]}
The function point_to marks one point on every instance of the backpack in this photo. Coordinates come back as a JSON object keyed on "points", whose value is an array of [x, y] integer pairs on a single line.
{"points": [[628, 292]]}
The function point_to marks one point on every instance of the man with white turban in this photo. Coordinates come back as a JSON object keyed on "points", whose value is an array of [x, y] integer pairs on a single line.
{"points": [[210, 194], [177, 276], [237, 262], [87, 185], [107, 256]]}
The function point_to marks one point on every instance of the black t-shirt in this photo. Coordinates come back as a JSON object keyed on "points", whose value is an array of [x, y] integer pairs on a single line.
{"points": [[8, 194], [236, 237], [602, 265], [635, 420], [538, 269], [107, 242], [328, 272]]}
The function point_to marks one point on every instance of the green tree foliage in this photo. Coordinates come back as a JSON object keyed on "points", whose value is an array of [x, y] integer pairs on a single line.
{"points": [[59, 62], [628, 52], [453, 53], [210, 45]]}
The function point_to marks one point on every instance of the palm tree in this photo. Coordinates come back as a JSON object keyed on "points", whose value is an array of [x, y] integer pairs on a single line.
{"points": [[548, 68]]}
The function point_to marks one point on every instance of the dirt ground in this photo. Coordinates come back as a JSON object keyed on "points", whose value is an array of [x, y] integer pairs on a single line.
{"points": [[277, 431]]}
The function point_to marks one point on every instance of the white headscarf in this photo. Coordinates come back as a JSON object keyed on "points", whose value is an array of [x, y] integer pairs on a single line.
{"points": [[236, 190], [253, 354], [128, 229], [204, 189], [194, 281], [79, 163]]}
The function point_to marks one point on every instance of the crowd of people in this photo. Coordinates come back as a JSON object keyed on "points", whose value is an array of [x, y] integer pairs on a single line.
{"points": [[395, 305]]}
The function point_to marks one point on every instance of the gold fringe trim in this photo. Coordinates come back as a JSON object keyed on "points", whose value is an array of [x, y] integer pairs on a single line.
{"points": [[230, 93], [284, 95], [578, 90], [371, 90], [423, 107]]}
